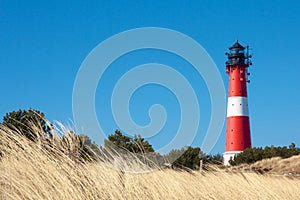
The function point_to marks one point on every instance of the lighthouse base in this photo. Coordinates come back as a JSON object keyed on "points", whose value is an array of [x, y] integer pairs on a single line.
{"points": [[229, 155]]}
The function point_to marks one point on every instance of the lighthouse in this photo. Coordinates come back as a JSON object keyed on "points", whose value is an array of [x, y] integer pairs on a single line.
{"points": [[238, 136]]}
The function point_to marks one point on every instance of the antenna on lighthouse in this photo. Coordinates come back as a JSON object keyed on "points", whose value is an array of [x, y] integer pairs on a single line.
{"points": [[248, 62]]}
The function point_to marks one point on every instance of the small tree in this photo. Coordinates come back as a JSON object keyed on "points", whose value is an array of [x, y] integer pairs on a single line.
{"points": [[136, 145], [190, 158], [174, 154], [140, 145], [31, 123]]}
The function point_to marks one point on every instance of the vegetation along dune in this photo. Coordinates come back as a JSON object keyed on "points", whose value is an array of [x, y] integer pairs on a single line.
{"points": [[52, 167]]}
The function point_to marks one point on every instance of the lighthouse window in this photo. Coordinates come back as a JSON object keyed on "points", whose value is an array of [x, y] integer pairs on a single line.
{"points": [[232, 104], [240, 104]]}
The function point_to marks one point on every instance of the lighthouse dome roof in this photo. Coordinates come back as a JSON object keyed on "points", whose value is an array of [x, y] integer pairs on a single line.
{"points": [[237, 45]]}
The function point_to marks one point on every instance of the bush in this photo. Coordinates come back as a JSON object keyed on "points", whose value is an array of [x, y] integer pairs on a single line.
{"points": [[252, 155]]}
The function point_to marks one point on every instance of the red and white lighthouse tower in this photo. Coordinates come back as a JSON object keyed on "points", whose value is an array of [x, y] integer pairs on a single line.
{"points": [[237, 126]]}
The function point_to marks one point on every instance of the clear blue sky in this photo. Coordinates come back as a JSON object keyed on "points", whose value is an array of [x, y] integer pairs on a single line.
{"points": [[43, 43]]}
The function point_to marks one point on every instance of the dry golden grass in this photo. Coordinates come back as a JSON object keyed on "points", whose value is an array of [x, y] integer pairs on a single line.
{"points": [[289, 166], [47, 171]]}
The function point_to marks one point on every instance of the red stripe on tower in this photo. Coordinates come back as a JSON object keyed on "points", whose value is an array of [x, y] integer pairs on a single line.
{"points": [[237, 126]]}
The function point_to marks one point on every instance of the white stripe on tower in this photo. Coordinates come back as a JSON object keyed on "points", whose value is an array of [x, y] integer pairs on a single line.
{"points": [[237, 106]]}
